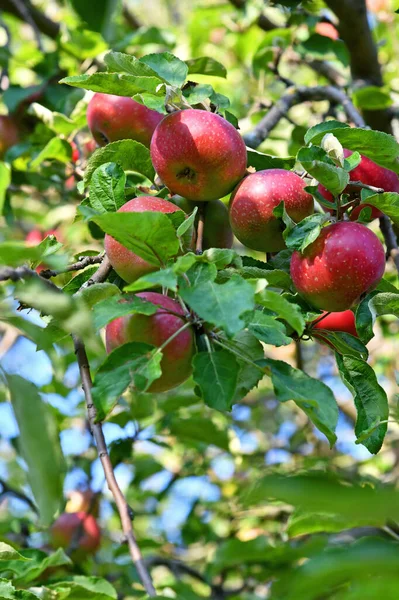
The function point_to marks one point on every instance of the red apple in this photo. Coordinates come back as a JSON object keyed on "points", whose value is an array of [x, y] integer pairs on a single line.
{"points": [[327, 29], [217, 230], [75, 152], [126, 263], [346, 261], [370, 173], [9, 134], [198, 154], [113, 118], [155, 330], [336, 321], [79, 524], [252, 204]]}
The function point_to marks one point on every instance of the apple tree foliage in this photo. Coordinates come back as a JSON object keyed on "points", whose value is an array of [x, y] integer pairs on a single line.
{"points": [[257, 477]]}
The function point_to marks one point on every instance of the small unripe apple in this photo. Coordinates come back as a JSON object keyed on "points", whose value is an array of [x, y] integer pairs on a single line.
{"points": [[80, 524], [155, 330], [9, 134], [344, 262], [336, 321], [370, 173], [327, 30], [113, 118], [252, 204], [217, 230], [126, 263], [198, 154]]}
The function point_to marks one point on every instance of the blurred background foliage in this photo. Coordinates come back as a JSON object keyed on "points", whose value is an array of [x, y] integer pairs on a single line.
{"points": [[189, 472]]}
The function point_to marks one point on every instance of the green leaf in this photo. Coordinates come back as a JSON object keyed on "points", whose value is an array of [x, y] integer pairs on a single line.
{"points": [[37, 564], [306, 232], [114, 83], [118, 62], [260, 161], [57, 122], [42, 453], [216, 375], [371, 97], [97, 293], [283, 309], [34, 332], [9, 553], [206, 66], [311, 395], [7, 590], [318, 131], [388, 203], [107, 188], [370, 399], [302, 522], [128, 154], [316, 162], [80, 586], [344, 343], [199, 429], [165, 278], [321, 46], [352, 161], [82, 43], [247, 350], [14, 254], [5, 180], [267, 329], [150, 235], [233, 553], [119, 306], [187, 223], [373, 305], [55, 149], [132, 363], [381, 147], [220, 304], [169, 67]]}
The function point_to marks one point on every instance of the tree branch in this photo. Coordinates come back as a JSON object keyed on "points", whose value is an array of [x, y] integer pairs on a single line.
{"points": [[125, 512], [18, 273], [390, 240], [82, 263], [100, 275], [43, 23], [297, 95], [8, 490]]}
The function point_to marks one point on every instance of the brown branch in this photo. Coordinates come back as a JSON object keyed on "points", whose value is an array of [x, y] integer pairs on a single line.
{"points": [[100, 275], [24, 10], [82, 263], [390, 239], [130, 18], [10, 491], [297, 95], [326, 70], [124, 510], [18, 273], [299, 362], [263, 21], [355, 31], [43, 23]]}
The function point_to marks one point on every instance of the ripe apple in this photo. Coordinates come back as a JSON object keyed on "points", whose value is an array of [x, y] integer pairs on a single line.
{"points": [[344, 262], [370, 173], [336, 321], [111, 118], [217, 230], [155, 330], [75, 152], [252, 204], [327, 29], [83, 501], [80, 524], [9, 134], [198, 154], [126, 263]]}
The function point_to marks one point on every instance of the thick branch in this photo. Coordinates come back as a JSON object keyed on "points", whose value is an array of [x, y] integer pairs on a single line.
{"points": [[297, 95], [100, 275], [125, 512], [43, 23], [18, 273], [354, 29]]}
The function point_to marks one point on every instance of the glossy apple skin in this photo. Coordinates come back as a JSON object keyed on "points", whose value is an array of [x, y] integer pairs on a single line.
{"points": [[127, 264], [217, 230], [252, 204], [9, 134], [327, 29], [346, 261], [198, 154], [155, 330], [370, 173], [337, 321], [65, 528], [111, 118]]}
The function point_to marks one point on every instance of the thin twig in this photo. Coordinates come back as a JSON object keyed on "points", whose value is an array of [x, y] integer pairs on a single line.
{"points": [[299, 363], [10, 491], [100, 275], [200, 228], [23, 9], [18, 273], [82, 263], [125, 512], [390, 239], [365, 186]]}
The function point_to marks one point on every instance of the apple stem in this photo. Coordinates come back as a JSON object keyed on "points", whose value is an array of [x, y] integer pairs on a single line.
{"points": [[200, 228]]}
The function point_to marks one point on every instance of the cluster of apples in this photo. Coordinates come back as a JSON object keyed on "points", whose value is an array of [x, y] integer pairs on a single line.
{"points": [[200, 157]]}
